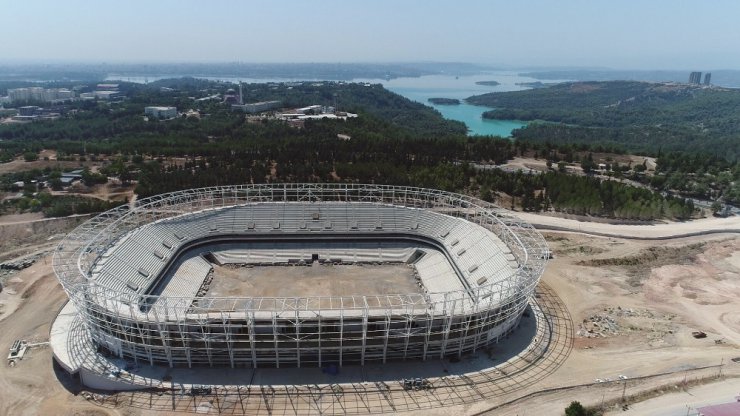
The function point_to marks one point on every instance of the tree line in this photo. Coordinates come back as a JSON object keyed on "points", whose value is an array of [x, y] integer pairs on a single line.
{"points": [[393, 141]]}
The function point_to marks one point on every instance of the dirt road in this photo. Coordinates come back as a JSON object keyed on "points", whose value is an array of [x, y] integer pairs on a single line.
{"points": [[702, 226]]}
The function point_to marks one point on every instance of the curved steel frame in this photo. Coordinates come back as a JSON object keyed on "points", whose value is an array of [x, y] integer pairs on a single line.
{"points": [[296, 331]]}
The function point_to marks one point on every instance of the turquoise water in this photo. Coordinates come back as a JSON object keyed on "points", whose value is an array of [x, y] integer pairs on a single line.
{"points": [[423, 88], [477, 125]]}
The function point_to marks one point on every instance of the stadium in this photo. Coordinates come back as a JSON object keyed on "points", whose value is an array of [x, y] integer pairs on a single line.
{"points": [[299, 275]]}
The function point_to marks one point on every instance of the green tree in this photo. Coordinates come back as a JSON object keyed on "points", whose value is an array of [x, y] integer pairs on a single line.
{"points": [[486, 195], [716, 207], [587, 163], [576, 409]]}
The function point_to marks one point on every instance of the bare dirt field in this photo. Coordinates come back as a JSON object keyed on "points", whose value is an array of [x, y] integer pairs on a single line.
{"points": [[540, 164], [110, 191], [314, 280], [28, 305], [20, 165], [634, 304], [25, 234]]}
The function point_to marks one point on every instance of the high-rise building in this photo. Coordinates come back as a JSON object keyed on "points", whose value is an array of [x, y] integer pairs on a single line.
{"points": [[40, 94], [708, 78], [695, 78]]}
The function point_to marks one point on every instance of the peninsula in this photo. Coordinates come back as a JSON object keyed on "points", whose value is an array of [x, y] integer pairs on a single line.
{"points": [[488, 83], [444, 101]]}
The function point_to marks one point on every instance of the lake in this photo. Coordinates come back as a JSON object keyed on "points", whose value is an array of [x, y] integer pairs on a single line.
{"points": [[423, 88]]}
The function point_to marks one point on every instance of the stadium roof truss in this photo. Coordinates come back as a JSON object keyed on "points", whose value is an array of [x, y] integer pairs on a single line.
{"points": [[495, 307]]}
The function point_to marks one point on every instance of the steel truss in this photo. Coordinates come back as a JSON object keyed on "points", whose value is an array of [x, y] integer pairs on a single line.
{"points": [[313, 331]]}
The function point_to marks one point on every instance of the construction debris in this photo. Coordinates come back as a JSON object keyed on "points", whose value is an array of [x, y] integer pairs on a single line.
{"points": [[614, 321], [11, 267]]}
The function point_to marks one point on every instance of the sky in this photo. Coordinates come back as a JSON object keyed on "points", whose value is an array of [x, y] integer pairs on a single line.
{"points": [[621, 34]]}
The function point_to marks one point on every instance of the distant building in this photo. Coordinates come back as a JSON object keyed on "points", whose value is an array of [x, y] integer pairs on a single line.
{"points": [[311, 109], [210, 97], [695, 78], [708, 78], [161, 113], [33, 113], [295, 123], [40, 94], [230, 97], [69, 178], [259, 107], [107, 87], [323, 116], [29, 110], [25, 94], [100, 95]]}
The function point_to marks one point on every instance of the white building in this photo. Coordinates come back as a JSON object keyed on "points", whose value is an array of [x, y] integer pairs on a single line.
{"points": [[331, 116], [161, 113], [313, 109], [259, 107], [40, 94], [99, 95]]}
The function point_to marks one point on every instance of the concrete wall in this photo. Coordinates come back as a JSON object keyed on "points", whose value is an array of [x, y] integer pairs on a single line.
{"points": [[98, 381]]}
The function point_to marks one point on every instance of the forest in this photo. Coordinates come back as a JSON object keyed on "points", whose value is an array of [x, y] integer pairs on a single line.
{"points": [[393, 141], [693, 131], [640, 117]]}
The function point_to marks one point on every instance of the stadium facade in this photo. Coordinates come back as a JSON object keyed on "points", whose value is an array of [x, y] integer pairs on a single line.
{"points": [[139, 275]]}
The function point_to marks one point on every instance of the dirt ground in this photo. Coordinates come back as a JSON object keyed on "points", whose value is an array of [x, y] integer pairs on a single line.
{"points": [[25, 234], [635, 316], [634, 309], [646, 298], [20, 165], [540, 164], [28, 305], [314, 280]]}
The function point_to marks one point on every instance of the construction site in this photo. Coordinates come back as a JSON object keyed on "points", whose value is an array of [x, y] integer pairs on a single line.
{"points": [[619, 320]]}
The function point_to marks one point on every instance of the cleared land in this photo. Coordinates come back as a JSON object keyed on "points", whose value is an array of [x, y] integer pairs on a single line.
{"points": [[313, 280]]}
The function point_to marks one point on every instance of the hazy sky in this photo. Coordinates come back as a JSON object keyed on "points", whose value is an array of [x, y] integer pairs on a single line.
{"points": [[650, 34]]}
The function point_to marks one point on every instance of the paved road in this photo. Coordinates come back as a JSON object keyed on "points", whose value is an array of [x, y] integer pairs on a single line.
{"points": [[680, 403], [647, 231]]}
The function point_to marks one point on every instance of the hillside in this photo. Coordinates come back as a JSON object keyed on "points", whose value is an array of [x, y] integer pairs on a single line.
{"points": [[392, 141], [635, 116]]}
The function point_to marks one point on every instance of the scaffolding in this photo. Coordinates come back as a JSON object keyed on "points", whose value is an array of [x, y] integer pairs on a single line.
{"points": [[134, 324]]}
